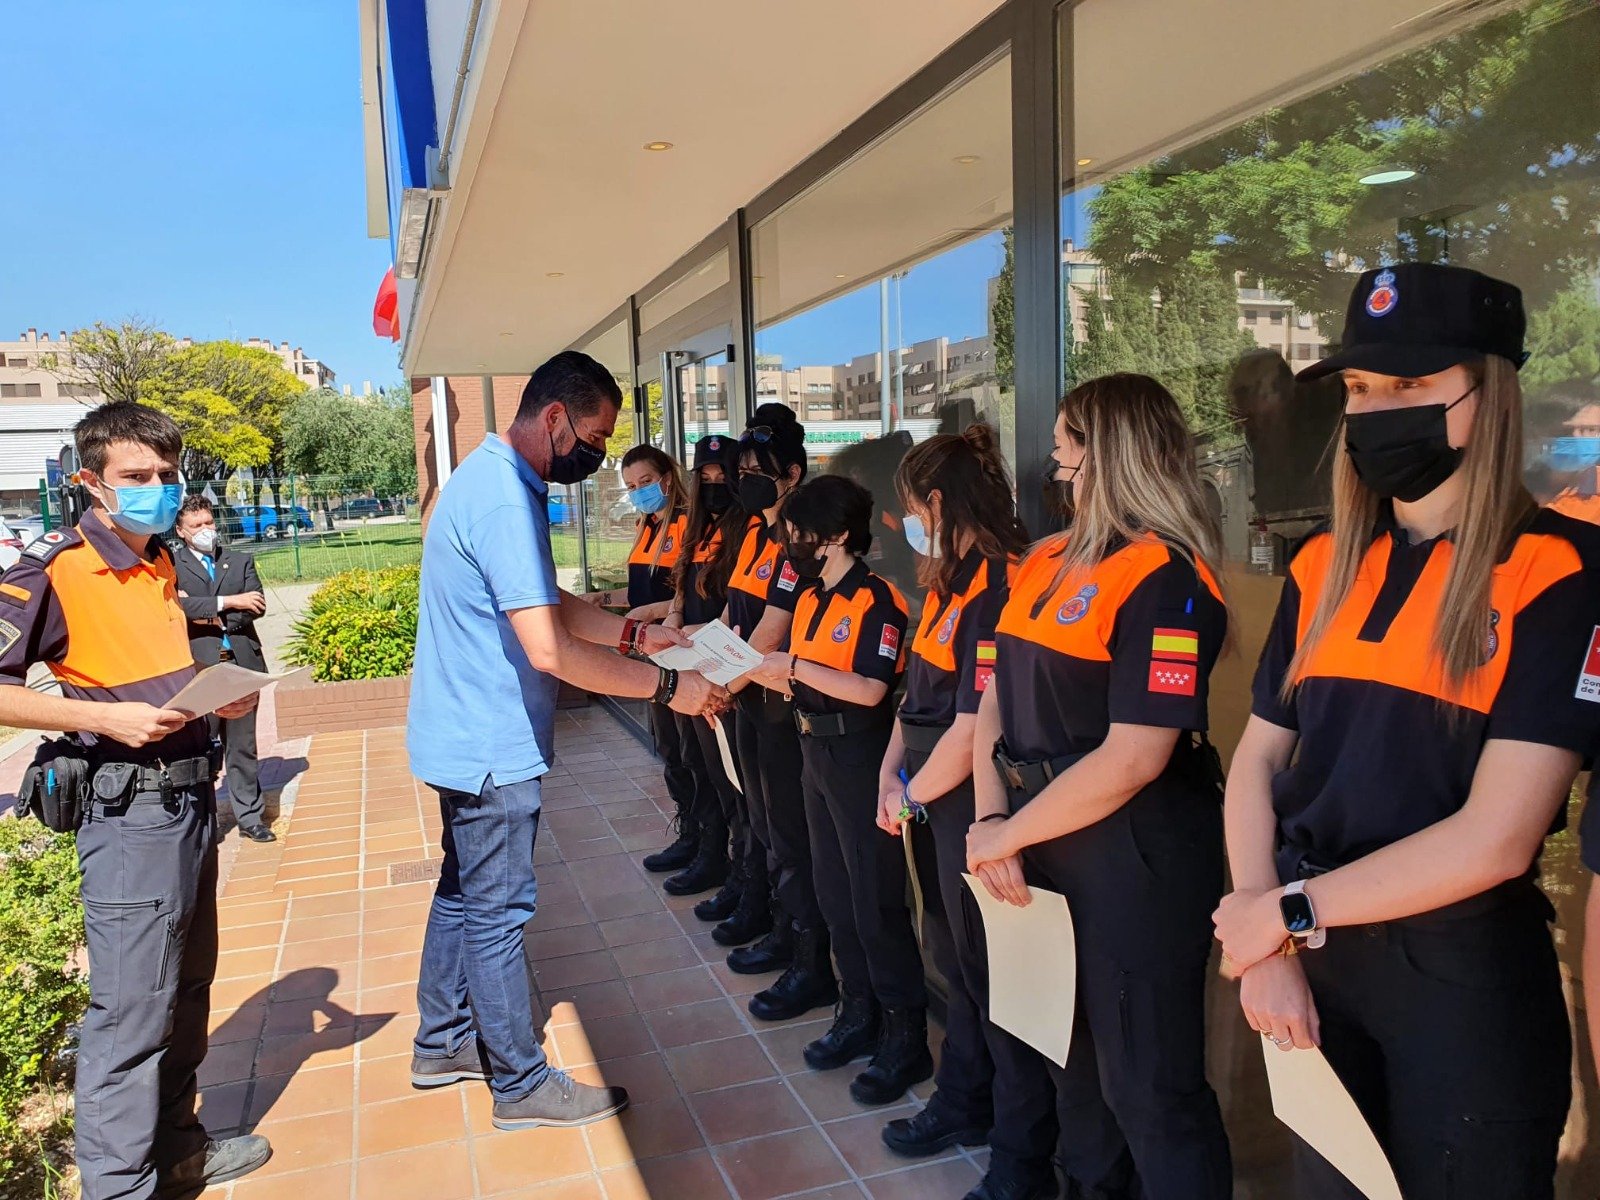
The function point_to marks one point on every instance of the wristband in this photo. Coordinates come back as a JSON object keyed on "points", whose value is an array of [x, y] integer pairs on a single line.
{"points": [[630, 636], [993, 817], [910, 810], [794, 664], [666, 686]]}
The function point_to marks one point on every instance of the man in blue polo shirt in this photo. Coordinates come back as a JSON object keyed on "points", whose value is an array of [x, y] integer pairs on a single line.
{"points": [[494, 636]]}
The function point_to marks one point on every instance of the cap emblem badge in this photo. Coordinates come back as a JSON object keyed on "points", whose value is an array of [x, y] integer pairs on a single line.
{"points": [[1384, 295]]}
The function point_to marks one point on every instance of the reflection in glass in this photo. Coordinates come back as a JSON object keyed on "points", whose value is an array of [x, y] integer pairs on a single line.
{"points": [[883, 298], [1214, 222]]}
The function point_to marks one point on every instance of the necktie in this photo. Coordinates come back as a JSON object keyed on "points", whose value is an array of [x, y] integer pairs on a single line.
{"points": [[211, 570]]}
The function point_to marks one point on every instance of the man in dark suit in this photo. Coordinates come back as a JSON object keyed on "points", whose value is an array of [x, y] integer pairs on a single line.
{"points": [[222, 597]]}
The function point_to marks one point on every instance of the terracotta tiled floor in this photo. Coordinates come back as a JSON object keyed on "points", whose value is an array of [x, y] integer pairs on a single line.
{"points": [[315, 1009]]}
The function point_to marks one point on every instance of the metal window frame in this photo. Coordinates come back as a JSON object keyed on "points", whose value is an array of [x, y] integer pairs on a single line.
{"points": [[1034, 35]]}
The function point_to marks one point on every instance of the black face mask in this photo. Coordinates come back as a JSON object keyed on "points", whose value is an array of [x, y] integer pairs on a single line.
{"points": [[806, 559], [577, 464], [757, 493], [1062, 491], [716, 498], [1403, 453]]}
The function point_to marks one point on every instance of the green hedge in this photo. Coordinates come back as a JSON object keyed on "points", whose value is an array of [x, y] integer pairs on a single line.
{"points": [[42, 994], [360, 625]]}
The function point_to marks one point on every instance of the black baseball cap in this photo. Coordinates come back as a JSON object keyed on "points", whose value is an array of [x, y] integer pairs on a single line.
{"points": [[1422, 318], [717, 450]]}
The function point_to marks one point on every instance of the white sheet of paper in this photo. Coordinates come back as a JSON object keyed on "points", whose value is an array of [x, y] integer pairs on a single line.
{"points": [[217, 686], [1308, 1097], [715, 651], [726, 752], [1033, 968]]}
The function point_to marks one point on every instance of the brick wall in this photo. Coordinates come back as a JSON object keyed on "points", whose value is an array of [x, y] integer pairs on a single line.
{"points": [[361, 704], [464, 394]]}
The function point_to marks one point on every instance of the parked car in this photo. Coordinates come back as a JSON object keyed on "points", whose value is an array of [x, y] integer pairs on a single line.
{"points": [[363, 506], [262, 520], [11, 544]]}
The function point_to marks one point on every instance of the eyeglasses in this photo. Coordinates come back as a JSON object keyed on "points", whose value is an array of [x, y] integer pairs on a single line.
{"points": [[761, 434]]}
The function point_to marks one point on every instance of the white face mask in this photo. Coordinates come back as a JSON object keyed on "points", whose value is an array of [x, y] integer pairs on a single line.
{"points": [[918, 537], [205, 541]]}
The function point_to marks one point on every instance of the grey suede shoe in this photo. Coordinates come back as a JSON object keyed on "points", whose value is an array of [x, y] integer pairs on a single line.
{"points": [[222, 1160], [466, 1063], [560, 1101]]}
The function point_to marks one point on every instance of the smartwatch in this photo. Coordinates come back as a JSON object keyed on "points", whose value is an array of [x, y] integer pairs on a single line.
{"points": [[1299, 917]]}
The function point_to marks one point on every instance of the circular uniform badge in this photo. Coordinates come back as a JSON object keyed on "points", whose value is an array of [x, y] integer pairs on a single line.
{"points": [[948, 629], [1384, 295], [1075, 609], [764, 571], [841, 631]]}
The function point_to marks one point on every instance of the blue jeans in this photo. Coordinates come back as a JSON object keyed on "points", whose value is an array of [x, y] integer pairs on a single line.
{"points": [[473, 972]]}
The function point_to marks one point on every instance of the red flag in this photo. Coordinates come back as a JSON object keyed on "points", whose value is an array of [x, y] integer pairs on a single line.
{"points": [[386, 309]]}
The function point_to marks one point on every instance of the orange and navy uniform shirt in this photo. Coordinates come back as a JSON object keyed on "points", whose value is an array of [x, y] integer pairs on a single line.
{"points": [[107, 623], [1388, 744], [859, 626], [762, 576], [953, 651], [698, 609], [1130, 640], [650, 577]]}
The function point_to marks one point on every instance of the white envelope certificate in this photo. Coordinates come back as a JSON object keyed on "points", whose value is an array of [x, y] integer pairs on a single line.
{"points": [[715, 651], [1033, 968], [725, 752], [1308, 1097], [221, 684]]}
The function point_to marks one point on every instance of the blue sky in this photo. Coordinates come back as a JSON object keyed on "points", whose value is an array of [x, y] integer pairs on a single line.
{"points": [[196, 164]]}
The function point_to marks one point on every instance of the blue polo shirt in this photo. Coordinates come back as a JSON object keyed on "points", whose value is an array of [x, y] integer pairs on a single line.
{"points": [[478, 706]]}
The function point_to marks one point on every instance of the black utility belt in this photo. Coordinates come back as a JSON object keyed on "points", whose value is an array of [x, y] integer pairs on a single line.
{"points": [[1030, 777], [921, 738], [63, 781], [837, 724]]}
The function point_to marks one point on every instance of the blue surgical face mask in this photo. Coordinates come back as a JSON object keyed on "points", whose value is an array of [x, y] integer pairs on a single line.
{"points": [[917, 536], [148, 509], [649, 498]]}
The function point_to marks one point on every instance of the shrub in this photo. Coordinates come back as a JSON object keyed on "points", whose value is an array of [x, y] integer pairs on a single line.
{"points": [[359, 625], [42, 992]]}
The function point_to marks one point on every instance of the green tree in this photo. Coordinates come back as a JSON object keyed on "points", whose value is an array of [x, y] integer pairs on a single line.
{"points": [[246, 428], [1563, 370], [118, 361], [1003, 315], [344, 444], [1184, 333], [1508, 172]]}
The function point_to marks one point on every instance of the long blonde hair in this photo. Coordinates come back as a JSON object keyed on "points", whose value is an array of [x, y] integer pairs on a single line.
{"points": [[1141, 479], [672, 484], [1494, 507]]}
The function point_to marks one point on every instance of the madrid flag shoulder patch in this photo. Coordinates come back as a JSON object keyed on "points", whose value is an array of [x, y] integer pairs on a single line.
{"points": [[1174, 678], [889, 642], [985, 672], [788, 577], [1589, 677], [1174, 662]]}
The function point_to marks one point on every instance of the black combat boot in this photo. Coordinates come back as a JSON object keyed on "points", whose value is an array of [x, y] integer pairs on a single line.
{"points": [[708, 870], [772, 953], [933, 1129], [854, 1033], [682, 851], [726, 902], [751, 920], [902, 1058], [1010, 1182], [807, 984]]}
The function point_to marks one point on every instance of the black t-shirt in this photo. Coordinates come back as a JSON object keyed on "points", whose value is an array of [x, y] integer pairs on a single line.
{"points": [[649, 573]]}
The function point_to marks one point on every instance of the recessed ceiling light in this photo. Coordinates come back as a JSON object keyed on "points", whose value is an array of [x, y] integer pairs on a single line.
{"points": [[658, 146], [1393, 175], [1084, 162], [554, 274], [966, 160]]}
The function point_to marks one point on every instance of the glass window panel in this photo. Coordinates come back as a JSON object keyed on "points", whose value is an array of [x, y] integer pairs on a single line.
{"points": [[607, 515], [883, 296], [699, 283], [1198, 201]]}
